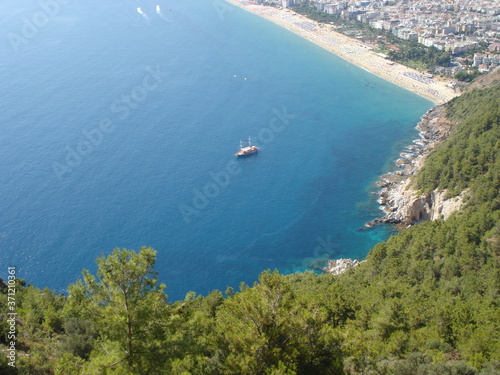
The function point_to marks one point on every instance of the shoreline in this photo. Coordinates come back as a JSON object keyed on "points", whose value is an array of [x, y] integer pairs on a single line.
{"points": [[357, 53], [400, 203]]}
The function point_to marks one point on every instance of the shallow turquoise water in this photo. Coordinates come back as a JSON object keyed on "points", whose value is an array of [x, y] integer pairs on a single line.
{"points": [[118, 130]]}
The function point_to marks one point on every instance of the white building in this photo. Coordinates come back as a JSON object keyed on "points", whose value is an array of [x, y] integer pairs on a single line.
{"points": [[287, 3], [488, 61]]}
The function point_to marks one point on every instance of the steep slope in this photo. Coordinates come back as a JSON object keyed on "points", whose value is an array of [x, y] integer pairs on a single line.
{"points": [[427, 301], [433, 183]]}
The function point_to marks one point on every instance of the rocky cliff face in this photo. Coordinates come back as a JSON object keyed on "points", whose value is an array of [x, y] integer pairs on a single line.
{"points": [[402, 204]]}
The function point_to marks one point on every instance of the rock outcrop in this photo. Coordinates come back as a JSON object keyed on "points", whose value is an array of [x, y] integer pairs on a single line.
{"points": [[338, 266], [404, 205], [400, 203]]}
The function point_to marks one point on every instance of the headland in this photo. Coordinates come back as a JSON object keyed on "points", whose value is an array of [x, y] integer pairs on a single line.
{"points": [[435, 89]]}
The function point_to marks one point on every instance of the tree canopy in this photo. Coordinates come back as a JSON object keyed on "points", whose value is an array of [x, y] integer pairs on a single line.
{"points": [[426, 301]]}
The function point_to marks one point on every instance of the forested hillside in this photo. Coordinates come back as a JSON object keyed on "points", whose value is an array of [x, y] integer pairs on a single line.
{"points": [[424, 302]]}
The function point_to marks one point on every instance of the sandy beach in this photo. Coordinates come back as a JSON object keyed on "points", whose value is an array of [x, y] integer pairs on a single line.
{"points": [[434, 89]]}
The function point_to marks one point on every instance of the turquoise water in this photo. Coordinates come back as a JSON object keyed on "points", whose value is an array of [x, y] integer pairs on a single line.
{"points": [[118, 130]]}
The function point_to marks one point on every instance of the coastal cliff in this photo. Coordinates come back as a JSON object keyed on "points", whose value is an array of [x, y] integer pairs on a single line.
{"points": [[468, 125], [424, 301], [399, 201]]}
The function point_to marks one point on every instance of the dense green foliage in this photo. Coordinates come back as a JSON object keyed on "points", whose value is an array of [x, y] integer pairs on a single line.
{"points": [[466, 76], [469, 159], [427, 301], [429, 57]]}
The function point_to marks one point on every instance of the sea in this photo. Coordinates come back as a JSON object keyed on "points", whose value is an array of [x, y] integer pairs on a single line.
{"points": [[119, 122]]}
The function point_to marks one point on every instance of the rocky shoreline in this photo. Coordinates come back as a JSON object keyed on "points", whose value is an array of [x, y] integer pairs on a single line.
{"points": [[339, 266], [400, 203]]}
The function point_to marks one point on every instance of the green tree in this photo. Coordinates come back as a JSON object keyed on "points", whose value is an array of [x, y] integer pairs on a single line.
{"points": [[79, 337], [128, 306], [267, 329], [467, 76]]}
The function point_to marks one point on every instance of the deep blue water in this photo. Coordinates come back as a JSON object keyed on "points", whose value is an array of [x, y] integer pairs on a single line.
{"points": [[116, 126]]}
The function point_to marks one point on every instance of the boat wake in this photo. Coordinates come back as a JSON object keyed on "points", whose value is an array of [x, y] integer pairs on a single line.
{"points": [[159, 13]]}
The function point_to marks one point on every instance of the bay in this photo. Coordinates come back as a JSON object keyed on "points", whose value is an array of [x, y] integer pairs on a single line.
{"points": [[176, 91]]}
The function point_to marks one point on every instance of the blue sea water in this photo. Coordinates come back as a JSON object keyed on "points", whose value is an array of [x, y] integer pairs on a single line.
{"points": [[117, 129]]}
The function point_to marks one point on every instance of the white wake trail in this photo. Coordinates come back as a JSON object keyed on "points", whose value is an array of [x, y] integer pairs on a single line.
{"points": [[141, 12]]}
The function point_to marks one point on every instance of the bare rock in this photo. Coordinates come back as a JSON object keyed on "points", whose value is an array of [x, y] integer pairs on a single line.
{"points": [[399, 202], [339, 266]]}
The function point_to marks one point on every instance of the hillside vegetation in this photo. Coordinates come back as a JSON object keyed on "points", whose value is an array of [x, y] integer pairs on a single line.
{"points": [[427, 301]]}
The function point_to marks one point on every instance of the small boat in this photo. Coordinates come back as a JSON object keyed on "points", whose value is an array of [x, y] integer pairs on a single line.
{"points": [[247, 150]]}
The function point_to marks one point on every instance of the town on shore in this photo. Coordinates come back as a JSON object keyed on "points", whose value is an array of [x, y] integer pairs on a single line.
{"points": [[469, 33], [430, 48], [454, 26]]}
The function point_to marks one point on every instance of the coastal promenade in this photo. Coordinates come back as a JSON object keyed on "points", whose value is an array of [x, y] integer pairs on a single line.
{"points": [[435, 89]]}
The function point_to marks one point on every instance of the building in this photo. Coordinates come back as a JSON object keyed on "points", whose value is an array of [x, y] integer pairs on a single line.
{"points": [[484, 61], [494, 47], [287, 3]]}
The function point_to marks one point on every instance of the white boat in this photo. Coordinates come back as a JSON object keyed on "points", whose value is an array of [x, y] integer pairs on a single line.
{"points": [[247, 150]]}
